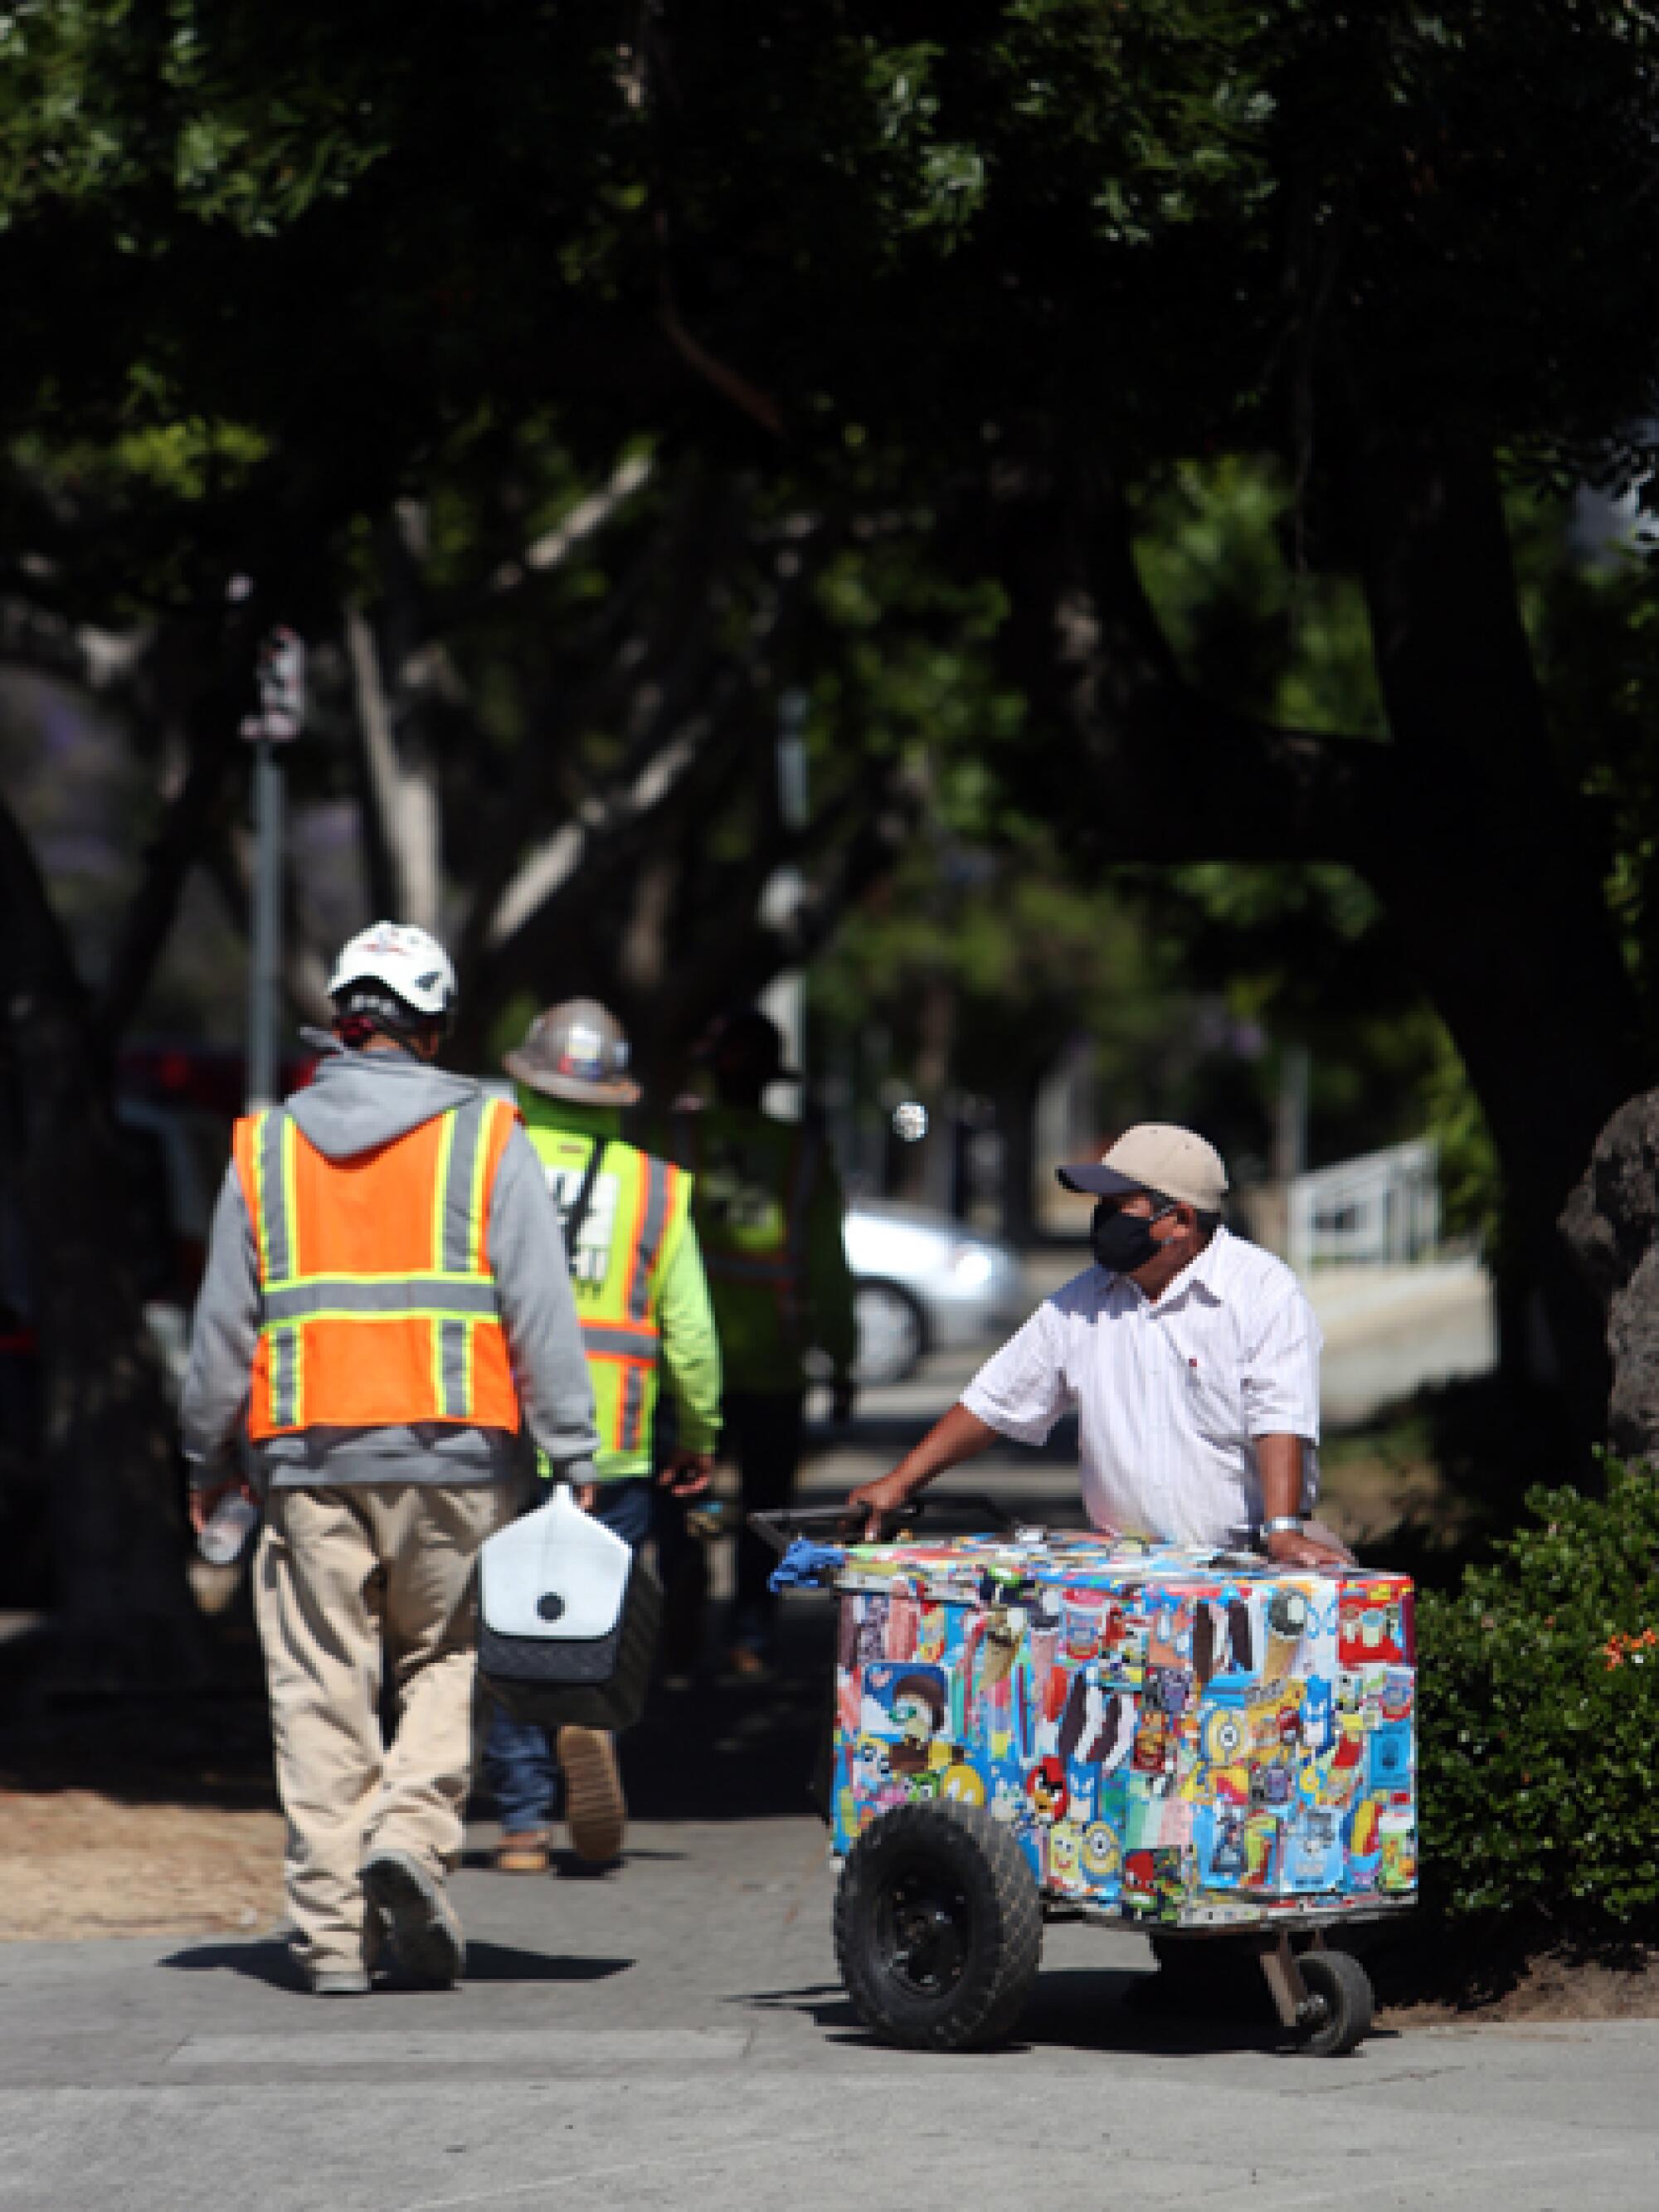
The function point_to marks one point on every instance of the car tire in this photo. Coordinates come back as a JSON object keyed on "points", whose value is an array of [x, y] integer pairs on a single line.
{"points": [[892, 1334], [939, 1928]]}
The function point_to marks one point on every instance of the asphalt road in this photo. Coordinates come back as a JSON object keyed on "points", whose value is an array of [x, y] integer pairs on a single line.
{"points": [[675, 2030]]}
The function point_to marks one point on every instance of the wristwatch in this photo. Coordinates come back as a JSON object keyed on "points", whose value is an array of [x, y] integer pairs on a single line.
{"points": [[1282, 1524]]}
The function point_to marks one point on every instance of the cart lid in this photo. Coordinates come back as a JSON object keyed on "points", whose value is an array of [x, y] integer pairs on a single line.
{"points": [[968, 1568]]}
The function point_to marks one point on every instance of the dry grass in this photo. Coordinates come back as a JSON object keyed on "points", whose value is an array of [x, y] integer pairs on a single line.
{"points": [[73, 1862]]}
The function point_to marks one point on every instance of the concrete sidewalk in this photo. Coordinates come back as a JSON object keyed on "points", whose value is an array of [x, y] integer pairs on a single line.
{"points": [[675, 2030]]}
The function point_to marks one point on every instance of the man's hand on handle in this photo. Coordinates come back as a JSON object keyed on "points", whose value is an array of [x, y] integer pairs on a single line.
{"points": [[880, 1501], [956, 1436]]}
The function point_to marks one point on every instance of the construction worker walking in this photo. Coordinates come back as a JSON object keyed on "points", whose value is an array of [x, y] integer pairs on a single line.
{"points": [[379, 1316], [768, 1208], [643, 1305]]}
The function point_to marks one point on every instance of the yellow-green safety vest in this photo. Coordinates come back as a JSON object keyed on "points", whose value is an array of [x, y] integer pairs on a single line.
{"points": [[637, 1213]]}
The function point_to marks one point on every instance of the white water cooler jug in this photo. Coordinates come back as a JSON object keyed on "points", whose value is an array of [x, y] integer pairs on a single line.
{"points": [[569, 1619]]}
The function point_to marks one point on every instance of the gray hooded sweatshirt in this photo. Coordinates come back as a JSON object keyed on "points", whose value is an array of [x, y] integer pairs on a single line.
{"points": [[359, 1100]]}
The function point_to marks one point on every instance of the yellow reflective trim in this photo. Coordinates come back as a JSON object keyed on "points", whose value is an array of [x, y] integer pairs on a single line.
{"points": [[440, 1191]]}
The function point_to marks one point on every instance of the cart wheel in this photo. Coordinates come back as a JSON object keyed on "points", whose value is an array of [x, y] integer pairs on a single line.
{"points": [[1340, 1994], [939, 1928]]}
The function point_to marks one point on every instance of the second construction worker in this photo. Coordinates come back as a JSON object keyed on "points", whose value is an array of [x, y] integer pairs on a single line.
{"points": [[643, 1306], [768, 1208]]}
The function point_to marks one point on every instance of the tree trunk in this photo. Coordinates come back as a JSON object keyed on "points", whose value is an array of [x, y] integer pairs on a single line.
{"points": [[1486, 871], [1463, 824], [124, 1616], [1017, 1106]]}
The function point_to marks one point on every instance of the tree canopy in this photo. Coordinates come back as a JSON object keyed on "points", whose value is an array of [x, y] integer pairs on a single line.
{"points": [[586, 381]]}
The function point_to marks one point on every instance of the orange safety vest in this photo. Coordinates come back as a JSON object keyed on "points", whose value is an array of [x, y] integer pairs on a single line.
{"points": [[378, 1304]]}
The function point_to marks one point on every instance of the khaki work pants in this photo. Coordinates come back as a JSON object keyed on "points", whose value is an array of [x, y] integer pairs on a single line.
{"points": [[354, 1586]]}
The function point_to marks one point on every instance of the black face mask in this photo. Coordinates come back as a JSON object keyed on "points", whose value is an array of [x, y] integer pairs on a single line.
{"points": [[1123, 1242]]}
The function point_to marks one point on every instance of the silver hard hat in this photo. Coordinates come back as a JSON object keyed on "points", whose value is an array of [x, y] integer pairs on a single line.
{"points": [[577, 1050]]}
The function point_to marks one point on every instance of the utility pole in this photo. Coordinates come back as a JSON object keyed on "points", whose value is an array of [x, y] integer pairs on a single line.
{"points": [[785, 997], [277, 720]]}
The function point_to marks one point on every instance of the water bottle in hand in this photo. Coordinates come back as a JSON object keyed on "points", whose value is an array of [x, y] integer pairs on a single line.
{"points": [[232, 1523]]}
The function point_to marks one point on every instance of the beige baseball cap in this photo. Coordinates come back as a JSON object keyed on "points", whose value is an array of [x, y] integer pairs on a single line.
{"points": [[1156, 1155]]}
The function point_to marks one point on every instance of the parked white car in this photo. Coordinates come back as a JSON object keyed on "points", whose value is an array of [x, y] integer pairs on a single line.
{"points": [[926, 1283]]}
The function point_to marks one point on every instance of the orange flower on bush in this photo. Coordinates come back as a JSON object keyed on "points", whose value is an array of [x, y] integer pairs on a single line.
{"points": [[1619, 1648]]}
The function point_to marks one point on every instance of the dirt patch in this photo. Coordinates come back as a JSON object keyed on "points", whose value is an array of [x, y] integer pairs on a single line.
{"points": [[75, 1864], [1551, 1987]]}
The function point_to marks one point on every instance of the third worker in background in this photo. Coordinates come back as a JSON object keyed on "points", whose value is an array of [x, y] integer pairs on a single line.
{"points": [[768, 1208], [643, 1307]]}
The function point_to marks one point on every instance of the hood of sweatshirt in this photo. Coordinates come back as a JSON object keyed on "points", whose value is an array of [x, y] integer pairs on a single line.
{"points": [[357, 1100]]}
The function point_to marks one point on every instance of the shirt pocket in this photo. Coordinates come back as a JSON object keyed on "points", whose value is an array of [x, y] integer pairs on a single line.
{"points": [[1215, 1397]]}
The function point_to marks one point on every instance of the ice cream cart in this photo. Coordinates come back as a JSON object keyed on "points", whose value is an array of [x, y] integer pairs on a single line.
{"points": [[1032, 1726]]}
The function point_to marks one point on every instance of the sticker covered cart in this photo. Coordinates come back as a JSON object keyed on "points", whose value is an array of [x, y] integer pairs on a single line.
{"points": [[1038, 1725]]}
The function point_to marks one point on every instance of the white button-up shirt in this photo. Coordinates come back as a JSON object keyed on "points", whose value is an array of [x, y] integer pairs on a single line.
{"points": [[1169, 1392]]}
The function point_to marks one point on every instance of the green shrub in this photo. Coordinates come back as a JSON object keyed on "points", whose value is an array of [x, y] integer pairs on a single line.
{"points": [[1539, 1718]]}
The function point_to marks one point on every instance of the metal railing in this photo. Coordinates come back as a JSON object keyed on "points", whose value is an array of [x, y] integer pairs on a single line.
{"points": [[1382, 1209]]}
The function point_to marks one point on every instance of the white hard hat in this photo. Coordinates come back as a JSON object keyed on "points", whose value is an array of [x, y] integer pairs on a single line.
{"points": [[406, 960]]}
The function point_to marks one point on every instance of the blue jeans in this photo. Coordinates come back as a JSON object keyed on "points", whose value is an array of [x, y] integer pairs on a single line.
{"points": [[519, 1769]]}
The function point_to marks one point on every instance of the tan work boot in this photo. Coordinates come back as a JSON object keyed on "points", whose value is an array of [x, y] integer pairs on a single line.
{"points": [[527, 1853], [593, 1793]]}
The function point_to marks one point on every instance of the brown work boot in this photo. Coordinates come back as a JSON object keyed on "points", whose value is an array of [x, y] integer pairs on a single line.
{"points": [[527, 1853], [593, 1801]]}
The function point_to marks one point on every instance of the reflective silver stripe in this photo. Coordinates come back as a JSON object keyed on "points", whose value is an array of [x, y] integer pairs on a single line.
{"points": [[273, 1198], [284, 1369], [454, 1361], [415, 1295], [650, 1234], [458, 1186], [633, 1407], [610, 1341]]}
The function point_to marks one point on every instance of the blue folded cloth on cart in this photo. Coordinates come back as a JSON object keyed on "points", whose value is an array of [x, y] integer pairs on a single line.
{"points": [[804, 1565]]}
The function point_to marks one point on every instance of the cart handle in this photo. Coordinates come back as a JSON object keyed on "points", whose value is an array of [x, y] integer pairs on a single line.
{"points": [[781, 1529]]}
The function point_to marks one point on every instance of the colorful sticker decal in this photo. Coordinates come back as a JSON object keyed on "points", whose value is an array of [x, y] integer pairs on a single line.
{"points": [[1159, 1728]]}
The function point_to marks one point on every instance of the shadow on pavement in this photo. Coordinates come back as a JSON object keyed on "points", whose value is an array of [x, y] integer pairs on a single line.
{"points": [[272, 1963], [506, 1962], [263, 1960], [1078, 2008]]}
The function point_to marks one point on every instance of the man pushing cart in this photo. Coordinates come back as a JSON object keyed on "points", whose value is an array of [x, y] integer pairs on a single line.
{"points": [[1190, 1356], [1198, 1716]]}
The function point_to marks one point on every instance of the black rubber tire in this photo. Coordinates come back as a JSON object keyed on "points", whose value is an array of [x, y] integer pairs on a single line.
{"points": [[939, 1928], [1344, 1989]]}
